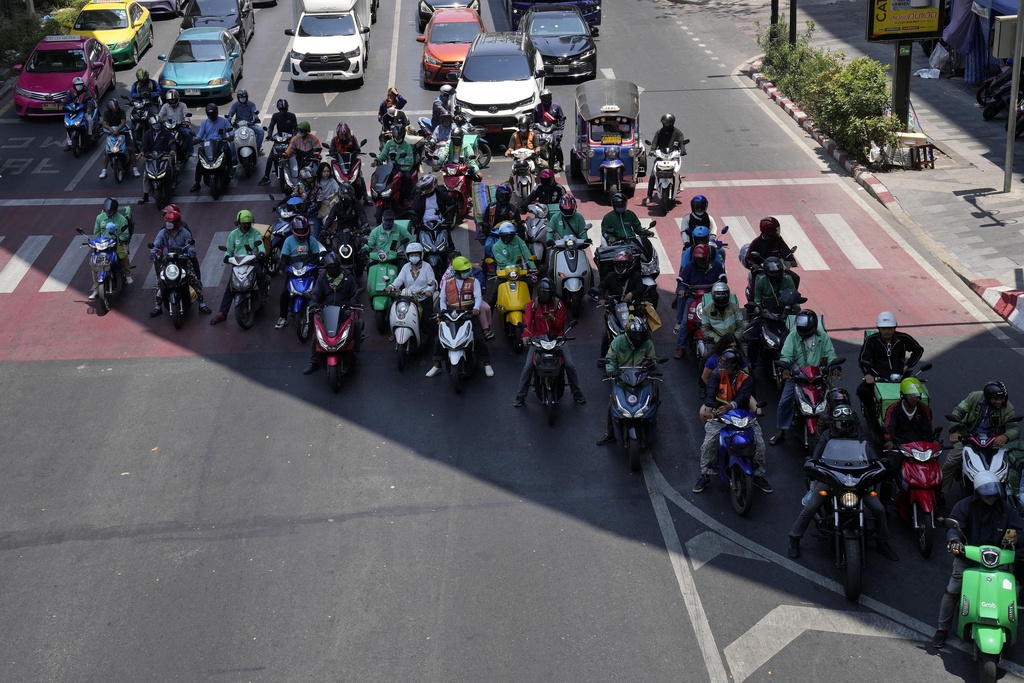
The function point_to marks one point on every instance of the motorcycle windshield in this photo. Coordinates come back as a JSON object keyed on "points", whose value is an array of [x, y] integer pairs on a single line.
{"points": [[332, 320], [846, 455], [632, 376]]}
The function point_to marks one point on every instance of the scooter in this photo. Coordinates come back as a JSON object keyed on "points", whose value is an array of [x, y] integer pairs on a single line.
{"points": [[116, 149], [667, 163], [570, 271], [736, 446], [74, 123], [279, 145], [293, 166], [643, 252], [336, 329], [405, 324], [546, 139], [988, 601], [693, 322], [386, 189], [919, 485], [383, 270], [812, 384], [160, 177], [458, 183], [775, 324], [348, 168], [549, 377], [850, 475], [537, 230], [455, 333], [245, 147], [512, 298], [980, 453], [756, 272], [436, 238], [281, 230], [250, 293], [104, 261], [140, 109], [301, 272], [172, 271], [215, 165], [522, 180], [616, 316], [634, 410]]}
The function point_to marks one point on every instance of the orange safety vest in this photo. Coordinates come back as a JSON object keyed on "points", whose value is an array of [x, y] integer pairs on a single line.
{"points": [[726, 391], [460, 297]]}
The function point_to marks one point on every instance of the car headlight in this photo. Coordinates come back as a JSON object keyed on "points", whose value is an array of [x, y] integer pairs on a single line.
{"points": [[588, 54], [120, 46], [297, 56], [524, 103], [168, 82], [430, 60], [218, 81], [351, 54], [21, 91]]}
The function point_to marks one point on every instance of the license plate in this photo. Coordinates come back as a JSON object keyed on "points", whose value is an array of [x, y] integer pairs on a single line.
{"points": [[611, 139], [493, 127], [325, 75], [560, 69], [192, 92], [50, 106]]}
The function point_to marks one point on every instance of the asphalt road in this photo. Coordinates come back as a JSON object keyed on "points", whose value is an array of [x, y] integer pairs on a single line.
{"points": [[188, 506]]}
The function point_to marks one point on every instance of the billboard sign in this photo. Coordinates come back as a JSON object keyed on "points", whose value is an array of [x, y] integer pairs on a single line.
{"points": [[892, 20]]}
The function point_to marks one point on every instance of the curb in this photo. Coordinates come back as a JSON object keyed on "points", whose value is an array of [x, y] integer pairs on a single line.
{"points": [[1002, 299]]}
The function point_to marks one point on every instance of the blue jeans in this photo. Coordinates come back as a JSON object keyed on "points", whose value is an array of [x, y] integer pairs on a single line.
{"points": [[684, 335], [784, 415]]}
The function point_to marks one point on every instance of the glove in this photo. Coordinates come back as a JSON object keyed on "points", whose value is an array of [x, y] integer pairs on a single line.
{"points": [[956, 547]]}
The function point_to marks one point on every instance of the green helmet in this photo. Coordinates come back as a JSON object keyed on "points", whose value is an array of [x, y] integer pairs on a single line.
{"points": [[911, 386], [303, 126], [244, 216]]}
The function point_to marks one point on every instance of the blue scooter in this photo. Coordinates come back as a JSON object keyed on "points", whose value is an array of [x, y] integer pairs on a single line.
{"points": [[634, 409], [105, 263], [736, 446], [74, 123], [301, 272]]}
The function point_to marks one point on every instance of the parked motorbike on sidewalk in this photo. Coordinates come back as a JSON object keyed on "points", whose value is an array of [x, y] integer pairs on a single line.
{"points": [[250, 292], [172, 274], [634, 410], [336, 330]]}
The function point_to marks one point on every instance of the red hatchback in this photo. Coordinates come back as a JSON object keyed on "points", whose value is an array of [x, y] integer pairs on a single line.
{"points": [[446, 41], [45, 77]]}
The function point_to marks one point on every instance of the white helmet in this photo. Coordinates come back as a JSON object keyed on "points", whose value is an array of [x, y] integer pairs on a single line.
{"points": [[414, 248], [446, 89], [886, 319]]}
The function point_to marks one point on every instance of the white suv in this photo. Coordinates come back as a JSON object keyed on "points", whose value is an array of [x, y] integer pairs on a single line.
{"points": [[500, 80]]}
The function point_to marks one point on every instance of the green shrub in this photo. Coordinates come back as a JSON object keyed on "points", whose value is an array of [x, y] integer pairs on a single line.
{"points": [[19, 34]]}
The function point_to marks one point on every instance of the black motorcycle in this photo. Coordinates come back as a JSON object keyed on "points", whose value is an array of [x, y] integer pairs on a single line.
{"points": [[172, 270], [215, 165], [140, 109], [768, 329], [549, 376], [161, 177]]}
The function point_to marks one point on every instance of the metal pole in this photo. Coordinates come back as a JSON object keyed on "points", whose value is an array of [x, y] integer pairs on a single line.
{"points": [[792, 21], [1011, 126], [901, 82], [775, 12]]}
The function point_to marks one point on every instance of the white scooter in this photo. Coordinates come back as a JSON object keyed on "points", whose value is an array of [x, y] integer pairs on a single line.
{"points": [[980, 454], [456, 336], [245, 147], [537, 229], [667, 164], [571, 272], [405, 323], [523, 170]]}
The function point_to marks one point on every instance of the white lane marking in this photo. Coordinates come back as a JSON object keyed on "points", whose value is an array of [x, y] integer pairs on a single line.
{"points": [[329, 97], [708, 545], [411, 113], [20, 263], [66, 267], [213, 264], [848, 242], [807, 256], [666, 265], [739, 228], [273, 89], [89, 163], [764, 182], [608, 73], [150, 282], [393, 70]]}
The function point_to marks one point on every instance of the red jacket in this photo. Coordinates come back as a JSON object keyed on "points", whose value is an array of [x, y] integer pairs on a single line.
{"points": [[537, 323]]}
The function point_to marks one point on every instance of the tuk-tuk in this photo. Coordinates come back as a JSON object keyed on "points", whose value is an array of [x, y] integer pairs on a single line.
{"points": [[607, 150]]}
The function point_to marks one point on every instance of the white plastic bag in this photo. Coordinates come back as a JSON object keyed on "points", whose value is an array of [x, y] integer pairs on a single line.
{"points": [[939, 58]]}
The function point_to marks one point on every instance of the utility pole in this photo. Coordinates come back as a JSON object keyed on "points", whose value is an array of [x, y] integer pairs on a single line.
{"points": [[775, 12], [792, 21], [1011, 125], [901, 81]]}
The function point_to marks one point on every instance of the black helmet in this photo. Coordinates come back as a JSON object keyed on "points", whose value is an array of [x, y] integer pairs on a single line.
{"points": [[637, 332], [618, 201], [113, 104], [774, 268], [668, 120], [730, 360], [211, 110], [523, 123], [844, 421], [172, 96], [699, 204], [837, 397], [398, 132], [545, 291], [457, 136], [282, 104], [503, 194], [110, 206], [346, 194], [332, 264], [995, 389], [806, 322], [720, 295]]}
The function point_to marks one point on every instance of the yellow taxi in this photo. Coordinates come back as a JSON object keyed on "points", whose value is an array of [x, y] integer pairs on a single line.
{"points": [[124, 26]]}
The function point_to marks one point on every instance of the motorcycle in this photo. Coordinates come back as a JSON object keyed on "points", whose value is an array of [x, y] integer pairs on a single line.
{"points": [[386, 189], [161, 177], [336, 329], [140, 109], [348, 168], [571, 271], [988, 601], [524, 168], [980, 453], [537, 230], [546, 138], [756, 272], [850, 475], [74, 123], [458, 183], [301, 272], [667, 163], [405, 324], [250, 293], [736, 446], [104, 261], [455, 333], [293, 165], [812, 384], [473, 136], [512, 299], [549, 376], [436, 238], [116, 149], [245, 147], [215, 166], [691, 318], [643, 252], [887, 391], [279, 145], [775, 323], [634, 409], [383, 269], [616, 316], [281, 230], [172, 271], [918, 487], [181, 144]]}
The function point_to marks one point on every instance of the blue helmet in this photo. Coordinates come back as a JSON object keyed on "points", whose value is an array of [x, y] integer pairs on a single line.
{"points": [[701, 231], [506, 232]]}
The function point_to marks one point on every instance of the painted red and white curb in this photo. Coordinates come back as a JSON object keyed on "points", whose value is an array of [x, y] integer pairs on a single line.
{"points": [[1002, 299]]}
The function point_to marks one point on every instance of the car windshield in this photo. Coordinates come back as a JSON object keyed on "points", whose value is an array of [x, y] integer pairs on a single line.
{"points": [[611, 132], [490, 68], [557, 24], [56, 62], [454, 32], [101, 19], [212, 8], [327, 25], [185, 51]]}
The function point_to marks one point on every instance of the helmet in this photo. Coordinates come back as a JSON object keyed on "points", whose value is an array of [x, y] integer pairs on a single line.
{"points": [[701, 251], [446, 90], [503, 194], [547, 176], [173, 217], [699, 204], [306, 174], [211, 110], [623, 261], [300, 228], [113, 104], [774, 268], [457, 136], [545, 291], [303, 127], [110, 206], [637, 332], [172, 96], [837, 397], [244, 217], [885, 319], [153, 122], [462, 267], [446, 118], [987, 484], [730, 360], [545, 96], [343, 132], [111, 227], [346, 253], [668, 120], [701, 235], [720, 294], [995, 389], [243, 95], [142, 74], [523, 123], [844, 422], [618, 201], [387, 217], [769, 226], [806, 322], [332, 264], [426, 185], [78, 83], [398, 132], [567, 205], [345, 193], [282, 104], [414, 248], [506, 231], [911, 386], [172, 207]]}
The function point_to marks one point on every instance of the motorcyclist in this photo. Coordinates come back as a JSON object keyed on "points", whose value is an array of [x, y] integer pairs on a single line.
{"points": [[567, 222], [701, 235], [310, 192], [462, 293], [115, 122], [110, 216], [549, 111], [522, 138], [144, 87], [404, 158], [668, 137], [843, 425], [80, 94], [442, 105], [443, 130], [304, 142], [215, 127], [907, 420], [624, 282], [510, 250], [478, 273], [987, 411], [770, 243], [335, 286], [806, 345], [985, 518], [328, 186], [546, 315], [300, 244], [631, 348], [388, 236], [698, 216], [720, 314], [157, 139], [243, 240], [429, 205], [547, 192], [769, 289], [174, 235], [620, 223], [730, 386], [281, 122], [882, 355], [454, 152], [244, 110], [501, 210], [347, 213], [701, 273], [418, 277], [392, 100], [175, 111], [344, 142]]}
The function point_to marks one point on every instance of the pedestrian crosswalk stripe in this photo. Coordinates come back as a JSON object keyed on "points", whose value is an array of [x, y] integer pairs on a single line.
{"points": [[848, 242], [21, 262], [807, 256], [66, 268], [213, 264], [739, 228]]}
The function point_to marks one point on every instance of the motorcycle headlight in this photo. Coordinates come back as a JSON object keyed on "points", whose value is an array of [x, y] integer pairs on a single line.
{"points": [[849, 499], [611, 153], [402, 309], [513, 275], [218, 81], [923, 456], [806, 408], [171, 272]]}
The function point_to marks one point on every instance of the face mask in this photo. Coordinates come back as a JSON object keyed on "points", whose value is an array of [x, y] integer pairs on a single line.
{"points": [[388, 225], [414, 260], [620, 210], [244, 227], [302, 133], [462, 274], [79, 88], [243, 100], [169, 226]]}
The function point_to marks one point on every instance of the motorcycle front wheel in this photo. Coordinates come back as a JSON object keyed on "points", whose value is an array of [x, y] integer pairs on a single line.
{"points": [[455, 374], [118, 169], [402, 353], [302, 326], [633, 453], [483, 154], [741, 490], [175, 308], [852, 568], [102, 299], [987, 668], [215, 187], [244, 313], [334, 377], [924, 532], [76, 144]]}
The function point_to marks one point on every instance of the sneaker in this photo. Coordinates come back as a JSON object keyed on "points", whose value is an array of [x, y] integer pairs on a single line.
{"points": [[128, 280], [135, 172], [281, 322], [218, 319], [203, 308], [155, 312], [194, 188], [702, 483], [488, 370], [762, 483], [886, 551], [488, 335], [264, 182], [579, 398], [679, 352], [434, 371], [939, 639], [144, 199], [606, 439], [794, 547], [103, 173], [311, 368], [675, 329], [92, 294], [518, 403]]}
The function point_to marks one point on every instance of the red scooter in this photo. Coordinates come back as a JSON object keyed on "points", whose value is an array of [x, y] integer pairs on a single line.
{"points": [[692, 321], [336, 335], [458, 182], [347, 167], [386, 189], [920, 482], [812, 384]]}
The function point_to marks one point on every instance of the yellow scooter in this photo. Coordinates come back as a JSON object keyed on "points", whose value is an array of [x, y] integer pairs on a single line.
{"points": [[512, 298]]}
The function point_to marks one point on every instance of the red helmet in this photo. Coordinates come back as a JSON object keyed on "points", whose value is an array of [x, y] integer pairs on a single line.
{"points": [[343, 132], [568, 205], [623, 261], [770, 226], [546, 174], [701, 251], [172, 207], [299, 227], [172, 216]]}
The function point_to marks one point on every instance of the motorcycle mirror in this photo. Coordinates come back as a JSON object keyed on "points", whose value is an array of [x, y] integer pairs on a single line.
{"points": [[79, 231], [151, 245], [1016, 419], [750, 306], [272, 199], [951, 418], [647, 142], [222, 248], [325, 145], [191, 243], [761, 404], [793, 250], [837, 362], [725, 229], [651, 226], [521, 325], [948, 522], [600, 363], [686, 141], [925, 368]]}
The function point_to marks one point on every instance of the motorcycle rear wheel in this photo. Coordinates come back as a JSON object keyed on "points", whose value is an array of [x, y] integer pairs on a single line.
{"points": [[987, 668], [334, 377], [483, 154], [741, 490], [852, 568], [666, 205], [992, 109], [244, 313], [633, 452], [460, 205]]}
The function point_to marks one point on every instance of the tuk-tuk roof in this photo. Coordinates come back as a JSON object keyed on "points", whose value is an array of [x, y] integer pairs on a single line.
{"points": [[596, 98]]}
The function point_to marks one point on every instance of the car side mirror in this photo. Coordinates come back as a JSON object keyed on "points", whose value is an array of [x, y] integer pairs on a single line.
{"points": [[97, 65], [162, 58], [365, 30], [234, 54], [18, 67], [421, 39], [289, 32]]}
